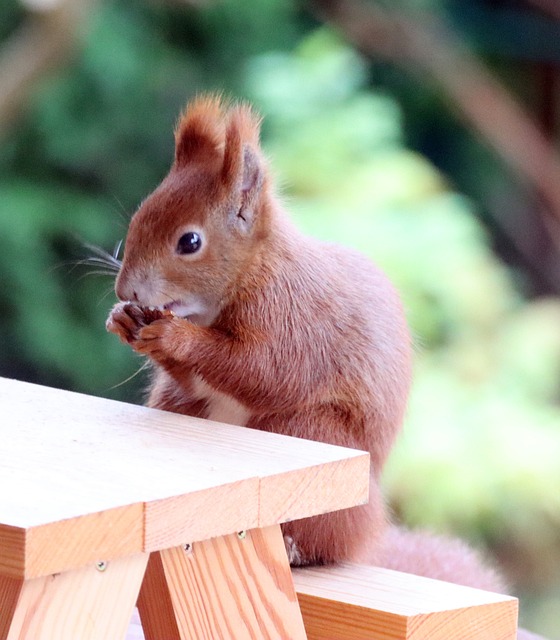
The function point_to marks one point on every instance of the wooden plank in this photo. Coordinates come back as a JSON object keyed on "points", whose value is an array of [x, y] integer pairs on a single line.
{"points": [[359, 602], [10, 589], [201, 515], [60, 440], [89, 604], [156, 606], [320, 489], [12, 551], [229, 587], [74, 460], [72, 543]]}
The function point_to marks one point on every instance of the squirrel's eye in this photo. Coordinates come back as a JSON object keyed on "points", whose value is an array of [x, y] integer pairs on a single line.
{"points": [[189, 242]]}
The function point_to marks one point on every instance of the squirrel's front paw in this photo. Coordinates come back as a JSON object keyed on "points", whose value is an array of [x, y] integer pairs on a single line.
{"points": [[127, 319], [294, 555], [163, 340]]}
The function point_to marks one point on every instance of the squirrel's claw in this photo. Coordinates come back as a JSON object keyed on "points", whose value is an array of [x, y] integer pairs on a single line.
{"points": [[125, 320]]}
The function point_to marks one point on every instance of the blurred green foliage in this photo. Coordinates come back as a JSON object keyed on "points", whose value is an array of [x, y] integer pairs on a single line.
{"points": [[481, 448]]}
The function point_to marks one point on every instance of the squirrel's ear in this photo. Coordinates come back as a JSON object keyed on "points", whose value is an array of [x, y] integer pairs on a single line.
{"points": [[243, 170], [199, 133], [252, 176]]}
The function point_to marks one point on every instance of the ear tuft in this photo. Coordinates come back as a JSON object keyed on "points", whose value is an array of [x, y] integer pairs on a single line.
{"points": [[199, 133], [242, 142]]}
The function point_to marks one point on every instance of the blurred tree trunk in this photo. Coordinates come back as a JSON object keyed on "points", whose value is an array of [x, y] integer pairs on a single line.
{"points": [[551, 7], [421, 44], [47, 38]]}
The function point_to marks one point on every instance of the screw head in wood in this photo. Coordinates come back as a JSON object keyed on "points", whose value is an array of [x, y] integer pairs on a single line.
{"points": [[101, 565], [187, 547], [242, 535]]}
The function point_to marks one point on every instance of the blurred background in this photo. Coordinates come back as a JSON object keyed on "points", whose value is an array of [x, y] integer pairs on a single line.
{"points": [[423, 132]]}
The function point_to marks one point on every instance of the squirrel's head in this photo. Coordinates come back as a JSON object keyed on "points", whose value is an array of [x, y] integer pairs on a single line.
{"points": [[191, 239]]}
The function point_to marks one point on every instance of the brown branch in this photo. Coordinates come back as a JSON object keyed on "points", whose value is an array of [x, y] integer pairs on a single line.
{"points": [[43, 42], [423, 44], [551, 7]]}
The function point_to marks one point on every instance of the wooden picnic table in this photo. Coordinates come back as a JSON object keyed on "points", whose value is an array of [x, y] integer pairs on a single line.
{"points": [[104, 504]]}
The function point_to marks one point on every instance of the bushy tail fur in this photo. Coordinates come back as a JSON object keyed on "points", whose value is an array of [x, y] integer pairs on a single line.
{"points": [[438, 557]]}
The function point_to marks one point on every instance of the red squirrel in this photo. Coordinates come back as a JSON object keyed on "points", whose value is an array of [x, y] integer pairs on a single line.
{"points": [[249, 321]]}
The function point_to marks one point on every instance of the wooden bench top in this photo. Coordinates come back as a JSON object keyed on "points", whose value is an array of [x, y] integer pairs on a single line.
{"points": [[358, 602], [85, 479]]}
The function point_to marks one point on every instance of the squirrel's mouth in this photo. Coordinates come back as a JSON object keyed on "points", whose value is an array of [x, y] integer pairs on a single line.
{"points": [[179, 308], [193, 310]]}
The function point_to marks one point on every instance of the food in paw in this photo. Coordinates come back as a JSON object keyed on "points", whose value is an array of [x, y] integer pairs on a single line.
{"points": [[151, 314]]}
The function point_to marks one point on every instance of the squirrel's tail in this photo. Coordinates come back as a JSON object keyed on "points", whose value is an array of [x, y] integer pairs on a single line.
{"points": [[439, 557]]}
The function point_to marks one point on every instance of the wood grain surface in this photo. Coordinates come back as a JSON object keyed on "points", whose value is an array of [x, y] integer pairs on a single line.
{"points": [[87, 604], [112, 479], [359, 602], [230, 587]]}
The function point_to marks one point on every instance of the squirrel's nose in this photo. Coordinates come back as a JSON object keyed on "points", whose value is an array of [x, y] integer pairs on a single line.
{"points": [[133, 284], [123, 289]]}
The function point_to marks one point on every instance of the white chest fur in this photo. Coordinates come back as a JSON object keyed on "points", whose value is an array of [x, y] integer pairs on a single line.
{"points": [[221, 407]]}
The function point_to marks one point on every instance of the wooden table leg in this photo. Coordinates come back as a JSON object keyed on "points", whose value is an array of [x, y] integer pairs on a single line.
{"points": [[237, 586], [93, 603]]}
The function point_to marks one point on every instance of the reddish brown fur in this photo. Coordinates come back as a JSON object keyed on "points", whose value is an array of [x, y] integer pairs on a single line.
{"points": [[200, 130], [309, 337], [437, 557]]}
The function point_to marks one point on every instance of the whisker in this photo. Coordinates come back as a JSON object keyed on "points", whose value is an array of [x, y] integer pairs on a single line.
{"points": [[108, 292], [143, 367], [103, 270], [110, 259], [117, 250], [94, 259], [95, 262], [122, 212], [61, 265], [97, 272]]}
